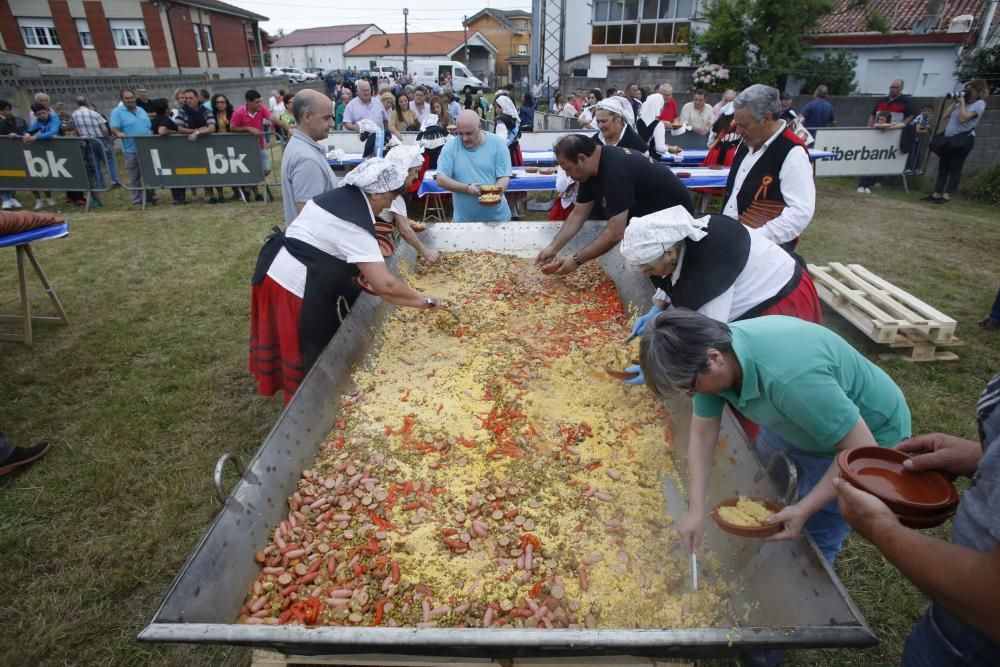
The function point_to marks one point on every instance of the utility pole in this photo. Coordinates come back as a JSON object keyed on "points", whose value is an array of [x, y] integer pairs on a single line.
{"points": [[465, 30], [406, 42]]}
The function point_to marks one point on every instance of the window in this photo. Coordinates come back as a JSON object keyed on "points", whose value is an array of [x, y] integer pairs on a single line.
{"points": [[197, 36], [39, 33], [83, 30], [129, 34], [209, 44], [629, 22]]}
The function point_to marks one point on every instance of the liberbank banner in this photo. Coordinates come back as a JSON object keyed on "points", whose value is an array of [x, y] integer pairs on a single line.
{"points": [[212, 160], [859, 151], [45, 164]]}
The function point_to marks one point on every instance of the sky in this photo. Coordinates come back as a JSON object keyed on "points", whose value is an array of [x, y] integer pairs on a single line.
{"points": [[425, 15]]}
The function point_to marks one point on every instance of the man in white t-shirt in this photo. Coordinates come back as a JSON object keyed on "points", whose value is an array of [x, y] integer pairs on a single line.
{"points": [[698, 115], [420, 106]]}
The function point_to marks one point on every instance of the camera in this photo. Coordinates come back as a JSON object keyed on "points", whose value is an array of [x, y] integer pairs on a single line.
{"points": [[960, 94]]}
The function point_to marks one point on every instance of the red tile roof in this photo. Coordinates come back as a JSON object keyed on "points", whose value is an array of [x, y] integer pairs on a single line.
{"points": [[331, 34], [421, 43], [902, 15]]}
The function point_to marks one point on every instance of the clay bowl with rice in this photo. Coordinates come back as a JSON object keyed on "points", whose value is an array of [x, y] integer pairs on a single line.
{"points": [[744, 517]]}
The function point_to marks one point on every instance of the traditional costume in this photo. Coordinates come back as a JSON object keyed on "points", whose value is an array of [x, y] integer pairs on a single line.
{"points": [[628, 138], [307, 277], [508, 128]]}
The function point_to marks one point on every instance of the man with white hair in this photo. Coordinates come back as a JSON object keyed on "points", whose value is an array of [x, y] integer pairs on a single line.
{"points": [[770, 186], [305, 172], [365, 106], [478, 158], [669, 112], [714, 265]]}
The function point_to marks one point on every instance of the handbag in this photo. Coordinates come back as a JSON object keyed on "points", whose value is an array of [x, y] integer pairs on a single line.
{"points": [[942, 144]]}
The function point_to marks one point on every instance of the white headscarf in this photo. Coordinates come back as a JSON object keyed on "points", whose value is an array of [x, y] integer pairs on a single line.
{"points": [[649, 236], [618, 105], [407, 156], [429, 120], [376, 175], [651, 108], [506, 105], [367, 125]]}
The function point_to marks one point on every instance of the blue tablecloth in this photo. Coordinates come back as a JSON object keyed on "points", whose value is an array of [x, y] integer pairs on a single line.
{"points": [[698, 177], [689, 158], [49, 232]]}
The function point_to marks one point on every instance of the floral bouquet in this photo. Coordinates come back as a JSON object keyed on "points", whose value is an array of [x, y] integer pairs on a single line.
{"points": [[711, 77]]}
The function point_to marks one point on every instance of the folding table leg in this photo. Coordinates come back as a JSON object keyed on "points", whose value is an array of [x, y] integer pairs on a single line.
{"points": [[22, 279], [61, 312]]}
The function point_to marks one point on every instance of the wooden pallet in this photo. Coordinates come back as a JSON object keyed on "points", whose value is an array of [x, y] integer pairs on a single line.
{"points": [[884, 312], [264, 658]]}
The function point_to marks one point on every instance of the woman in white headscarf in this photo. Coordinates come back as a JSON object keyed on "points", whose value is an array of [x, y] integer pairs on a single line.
{"points": [[308, 276], [651, 129], [409, 158], [716, 266], [615, 123], [508, 128]]}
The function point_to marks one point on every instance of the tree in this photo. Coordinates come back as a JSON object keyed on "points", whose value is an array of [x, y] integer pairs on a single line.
{"points": [[759, 41], [982, 63], [835, 70]]}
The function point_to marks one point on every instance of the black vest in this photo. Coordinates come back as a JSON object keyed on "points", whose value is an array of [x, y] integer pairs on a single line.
{"points": [[765, 175], [327, 277], [711, 265]]}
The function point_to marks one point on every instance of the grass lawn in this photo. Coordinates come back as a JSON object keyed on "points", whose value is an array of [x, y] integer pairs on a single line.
{"points": [[148, 387]]}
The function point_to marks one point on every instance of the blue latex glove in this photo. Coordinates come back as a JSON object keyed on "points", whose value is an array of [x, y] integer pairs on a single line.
{"points": [[639, 379], [640, 322]]}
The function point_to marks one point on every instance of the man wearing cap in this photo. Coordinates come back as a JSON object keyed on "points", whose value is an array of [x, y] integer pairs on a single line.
{"points": [[478, 158], [623, 182], [771, 167]]}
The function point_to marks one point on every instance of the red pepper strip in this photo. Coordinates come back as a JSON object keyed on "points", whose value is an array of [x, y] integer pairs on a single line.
{"points": [[359, 569], [311, 610], [406, 396], [379, 612], [528, 537], [339, 444], [536, 590]]}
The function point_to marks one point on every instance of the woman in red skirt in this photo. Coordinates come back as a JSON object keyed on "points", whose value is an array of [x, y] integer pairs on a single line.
{"points": [[308, 276], [508, 128], [566, 200]]}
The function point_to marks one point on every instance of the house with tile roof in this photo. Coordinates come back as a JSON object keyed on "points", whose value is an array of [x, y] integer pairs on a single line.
{"points": [[323, 47], [918, 41], [125, 37], [386, 50], [510, 31]]}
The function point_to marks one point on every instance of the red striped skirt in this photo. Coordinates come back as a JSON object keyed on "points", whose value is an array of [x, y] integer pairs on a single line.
{"points": [[802, 303], [275, 354]]}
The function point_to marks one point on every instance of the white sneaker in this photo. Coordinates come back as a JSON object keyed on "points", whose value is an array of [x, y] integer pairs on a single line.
{"points": [[860, 190], [39, 204], [867, 191], [7, 205], [50, 201], [15, 203]]}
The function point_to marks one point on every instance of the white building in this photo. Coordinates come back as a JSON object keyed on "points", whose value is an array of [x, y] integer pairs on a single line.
{"points": [[386, 50], [922, 47], [627, 33], [320, 47]]}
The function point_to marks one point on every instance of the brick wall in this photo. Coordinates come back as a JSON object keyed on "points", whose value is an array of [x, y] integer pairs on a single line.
{"points": [[179, 20], [154, 32], [8, 28], [101, 33], [230, 41], [69, 39]]}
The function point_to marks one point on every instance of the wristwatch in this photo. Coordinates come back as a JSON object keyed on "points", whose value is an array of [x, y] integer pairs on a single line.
{"points": [[430, 302]]}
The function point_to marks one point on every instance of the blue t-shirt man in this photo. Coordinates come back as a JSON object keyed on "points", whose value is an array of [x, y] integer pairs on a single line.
{"points": [[133, 122], [483, 165], [818, 114]]}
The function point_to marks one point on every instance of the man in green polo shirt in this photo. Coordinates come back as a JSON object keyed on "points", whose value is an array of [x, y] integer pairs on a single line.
{"points": [[811, 392]]}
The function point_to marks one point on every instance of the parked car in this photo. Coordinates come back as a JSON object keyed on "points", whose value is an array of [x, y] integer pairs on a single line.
{"points": [[431, 72], [273, 71], [318, 71], [296, 75]]}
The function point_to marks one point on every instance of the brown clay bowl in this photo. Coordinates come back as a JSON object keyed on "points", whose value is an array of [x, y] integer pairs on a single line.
{"points": [[747, 531], [547, 172], [619, 375], [418, 226], [385, 246], [682, 174], [490, 200], [490, 189], [880, 471], [384, 228], [717, 166], [921, 520], [531, 170]]}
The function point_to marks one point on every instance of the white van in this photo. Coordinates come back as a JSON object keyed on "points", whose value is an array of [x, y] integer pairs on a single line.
{"points": [[429, 72]]}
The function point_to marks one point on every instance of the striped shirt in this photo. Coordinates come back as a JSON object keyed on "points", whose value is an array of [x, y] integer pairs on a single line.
{"points": [[88, 123]]}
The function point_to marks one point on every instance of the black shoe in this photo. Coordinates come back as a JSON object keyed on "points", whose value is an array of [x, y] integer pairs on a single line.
{"points": [[22, 456], [179, 202], [990, 324], [153, 202], [258, 196], [211, 200], [237, 196], [942, 200], [929, 198]]}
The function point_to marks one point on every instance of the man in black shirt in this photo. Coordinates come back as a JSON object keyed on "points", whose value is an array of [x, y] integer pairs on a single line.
{"points": [[624, 182]]}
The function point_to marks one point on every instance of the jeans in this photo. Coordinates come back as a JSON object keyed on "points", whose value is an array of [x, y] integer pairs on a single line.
{"points": [[135, 179], [941, 640], [950, 168], [93, 155], [109, 157], [826, 527], [6, 448]]}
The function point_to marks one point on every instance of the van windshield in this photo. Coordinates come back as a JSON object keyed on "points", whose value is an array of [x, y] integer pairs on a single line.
{"points": [[461, 71]]}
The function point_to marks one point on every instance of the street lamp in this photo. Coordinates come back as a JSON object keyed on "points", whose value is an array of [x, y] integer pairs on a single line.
{"points": [[406, 42]]}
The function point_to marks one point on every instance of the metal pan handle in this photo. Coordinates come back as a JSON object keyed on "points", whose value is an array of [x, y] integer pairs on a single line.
{"points": [[342, 302], [793, 475], [220, 493]]}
